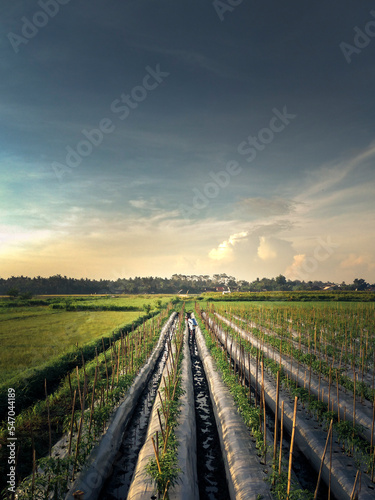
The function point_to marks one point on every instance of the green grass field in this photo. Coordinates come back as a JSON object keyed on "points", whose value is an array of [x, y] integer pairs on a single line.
{"points": [[31, 338]]}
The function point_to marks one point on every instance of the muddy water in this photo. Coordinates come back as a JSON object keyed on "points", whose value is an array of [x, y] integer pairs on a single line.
{"points": [[118, 483], [211, 472]]}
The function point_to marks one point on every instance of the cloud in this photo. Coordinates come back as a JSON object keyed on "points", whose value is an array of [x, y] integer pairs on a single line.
{"points": [[294, 270], [224, 250], [266, 250], [358, 263], [138, 203], [266, 207]]}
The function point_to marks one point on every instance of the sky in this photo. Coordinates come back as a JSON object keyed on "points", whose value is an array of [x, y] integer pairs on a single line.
{"points": [[146, 137]]}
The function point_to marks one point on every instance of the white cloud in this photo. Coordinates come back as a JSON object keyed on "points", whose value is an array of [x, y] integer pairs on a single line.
{"points": [[266, 251], [294, 270], [225, 249], [138, 203]]}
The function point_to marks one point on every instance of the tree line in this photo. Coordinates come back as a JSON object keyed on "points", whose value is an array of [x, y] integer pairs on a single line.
{"points": [[26, 287]]}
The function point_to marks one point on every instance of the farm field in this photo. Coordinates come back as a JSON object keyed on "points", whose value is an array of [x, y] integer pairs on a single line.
{"points": [[312, 359], [30, 338], [46, 349], [33, 335]]}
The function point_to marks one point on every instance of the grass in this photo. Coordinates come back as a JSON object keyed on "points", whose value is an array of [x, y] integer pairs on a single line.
{"points": [[31, 336], [115, 370]]}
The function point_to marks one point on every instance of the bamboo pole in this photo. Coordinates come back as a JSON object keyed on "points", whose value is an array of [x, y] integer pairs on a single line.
{"points": [[281, 435], [79, 388], [322, 460], [291, 447], [72, 422], [353, 496], [93, 397], [338, 398], [156, 451], [276, 416], [49, 419], [330, 466]]}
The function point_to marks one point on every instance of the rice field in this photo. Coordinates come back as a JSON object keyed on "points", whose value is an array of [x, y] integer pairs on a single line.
{"points": [[33, 336]]}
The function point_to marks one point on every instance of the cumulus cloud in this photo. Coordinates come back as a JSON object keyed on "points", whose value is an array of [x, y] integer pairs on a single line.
{"points": [[224, 250], [266, 251], [294, 270], [357, 263]]}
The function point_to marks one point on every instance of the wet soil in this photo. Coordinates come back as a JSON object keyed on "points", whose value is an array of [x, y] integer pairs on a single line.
{"points": [[117, 485], [211, 471]]}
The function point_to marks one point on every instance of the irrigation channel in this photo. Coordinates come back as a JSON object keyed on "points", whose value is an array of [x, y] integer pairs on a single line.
{"points": [[339, 471], [211, 470], [117, 485], [217, 458]]}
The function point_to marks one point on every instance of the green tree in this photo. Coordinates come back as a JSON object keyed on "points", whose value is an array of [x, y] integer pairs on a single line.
{"points": [[13, 292], [360, 284]]}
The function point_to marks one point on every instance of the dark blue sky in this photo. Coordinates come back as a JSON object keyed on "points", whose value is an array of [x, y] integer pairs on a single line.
{"points": [[117, 117]]}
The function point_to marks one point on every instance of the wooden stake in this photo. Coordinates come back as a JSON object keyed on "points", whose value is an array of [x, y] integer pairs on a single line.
{"points": [[352, 496], [291, 448], [281, 435], [322, 460], [72, 422], [49, 419], [93, 397], [338, 399], [276, 417], [330, 466], [156, 451]]}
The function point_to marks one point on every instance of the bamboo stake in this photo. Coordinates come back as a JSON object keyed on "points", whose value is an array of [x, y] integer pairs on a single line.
{"points": [[161, 426], [156, 451], [166, 490], [276, 423], [330, 467], [49, 419], [338, 398], [264, 423], [93, 397], [352, 496], [256, 379], [72, 422], [77, 445], [34, 473], [276, 416], [79, 388], [281, 435], [291, 447], [322, 460]]}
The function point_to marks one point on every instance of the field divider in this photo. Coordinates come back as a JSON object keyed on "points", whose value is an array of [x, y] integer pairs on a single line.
{"points": [[309, 438], [99, 464], [245, 475]]}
